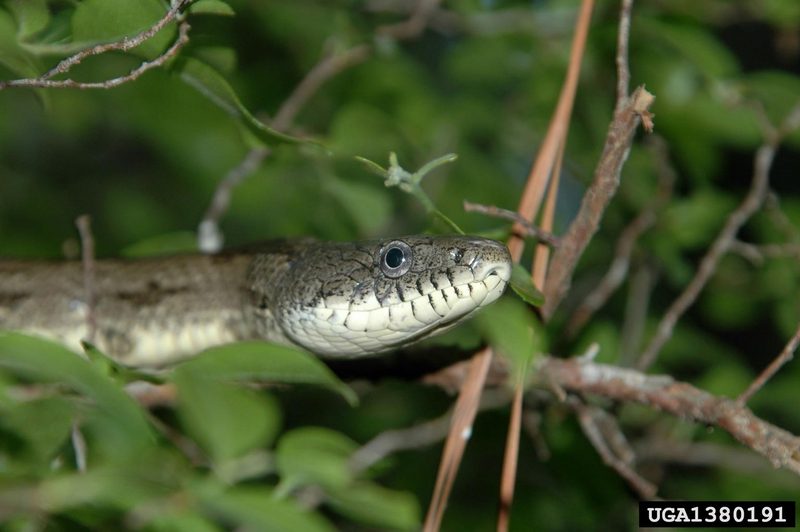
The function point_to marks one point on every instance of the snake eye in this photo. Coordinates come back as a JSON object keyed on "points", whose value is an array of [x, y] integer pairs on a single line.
{"points": [[395, 258]]}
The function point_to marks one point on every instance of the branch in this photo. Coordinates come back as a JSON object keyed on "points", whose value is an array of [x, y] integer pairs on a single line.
{"points": [[781, 447], [722, 244], [209, 236], [590, 419], [597, 197], [528, 229], [45, 81], [785, 356], [618, 270]]}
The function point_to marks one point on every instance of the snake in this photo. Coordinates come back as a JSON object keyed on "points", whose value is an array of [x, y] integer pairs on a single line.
{"points": [[334, 299]]}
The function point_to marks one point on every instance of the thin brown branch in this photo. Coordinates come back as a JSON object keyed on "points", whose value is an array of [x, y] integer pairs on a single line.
{"points": [[414, 25], [783, 358], [721, 245], [209, 236], [87, 259], [756, 253], [125, 44], [590, 420], [623, 37], [421, 435], [618, 270], [781, 447], [596, 199], [326, 69], [528, 229]]}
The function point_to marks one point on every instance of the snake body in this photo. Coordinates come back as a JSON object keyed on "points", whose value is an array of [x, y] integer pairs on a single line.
{"points": [[336, 299]]}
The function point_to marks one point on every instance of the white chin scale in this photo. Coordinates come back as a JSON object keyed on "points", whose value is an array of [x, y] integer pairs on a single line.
{"points": [[352, 331]]}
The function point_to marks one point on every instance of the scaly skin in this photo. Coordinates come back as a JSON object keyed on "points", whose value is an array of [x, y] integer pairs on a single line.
{"points": [[336, 299]]}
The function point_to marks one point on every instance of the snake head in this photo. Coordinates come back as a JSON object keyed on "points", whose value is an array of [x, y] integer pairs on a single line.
{"points": [[360, 298]]}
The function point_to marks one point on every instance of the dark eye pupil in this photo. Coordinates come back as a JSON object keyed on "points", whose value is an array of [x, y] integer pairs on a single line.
{"points": [[394, 257]]}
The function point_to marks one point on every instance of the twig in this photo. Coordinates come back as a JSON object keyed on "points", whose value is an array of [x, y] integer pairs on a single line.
{"points": [[758, 253], [623, 36], [528, 229], [751, 203], [413, 25], [785, 356], [603, 188], [588, 419], [781, 447], [125, 44], [422, 435], [87, 259], [327, 68], [618, 270], [210, 238]]}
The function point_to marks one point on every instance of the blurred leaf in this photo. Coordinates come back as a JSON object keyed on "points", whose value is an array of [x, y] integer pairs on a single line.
{"points": [[181, 522], [257, 509], [692, 222], [376, 506], [522, 284], [369, 207], [44, 424], [226, 419], [166, 244], [12, 55], [32, 16], [45, 361], [211, 7], [212, 85], [778, 92], [511, 328], [97, 21], [263, 361], [313, 455], [697, 46]]}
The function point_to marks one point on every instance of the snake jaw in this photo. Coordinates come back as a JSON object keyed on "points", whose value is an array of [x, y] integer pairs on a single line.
{"points": [[366, 311]]}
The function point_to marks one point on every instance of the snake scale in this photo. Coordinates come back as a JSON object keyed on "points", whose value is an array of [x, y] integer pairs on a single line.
{"points": [[336, 299]]}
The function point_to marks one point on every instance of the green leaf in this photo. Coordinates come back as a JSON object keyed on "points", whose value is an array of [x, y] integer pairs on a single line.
{"points": [[522, 284], [256, 509], [207, 406], [263, 361], [212, 85], [211, 7], [32, 16], [110, 20], [43, 423], [166, 244], [20, 62], [513, 330], [45, 361], [374, 505], [314, 455]]}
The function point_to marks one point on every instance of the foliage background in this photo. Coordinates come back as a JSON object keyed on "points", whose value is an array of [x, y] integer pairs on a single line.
{"points": [[144, 159]]}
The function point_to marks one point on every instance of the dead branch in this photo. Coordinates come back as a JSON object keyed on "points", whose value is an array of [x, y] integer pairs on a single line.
{"points": [[45, 80], [606, 180], [680, 399], [590, 419], [784, 357], [721, 245], [618, 270], [528, 229]]}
